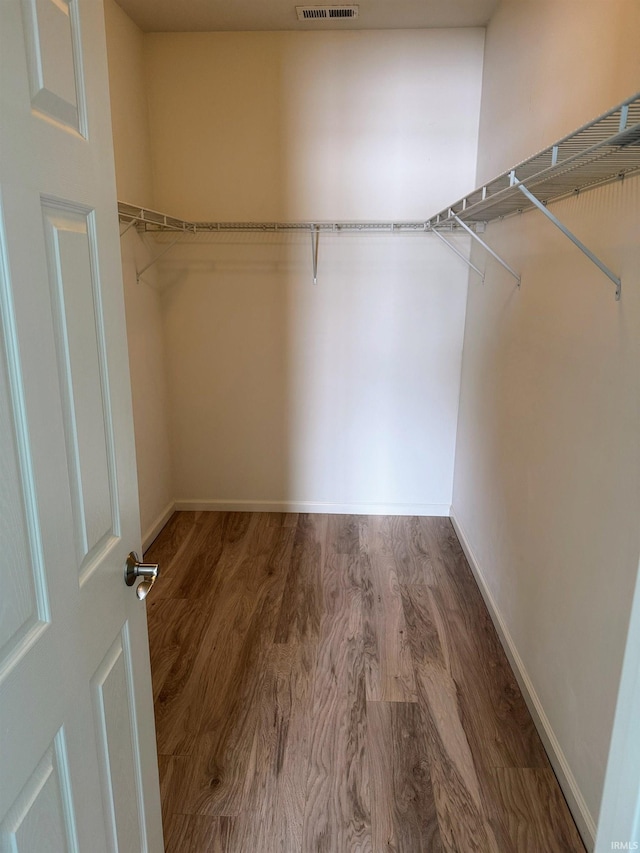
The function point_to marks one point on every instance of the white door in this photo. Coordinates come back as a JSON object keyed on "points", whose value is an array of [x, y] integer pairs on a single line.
{"points": [[619, 819], [78, 766]]}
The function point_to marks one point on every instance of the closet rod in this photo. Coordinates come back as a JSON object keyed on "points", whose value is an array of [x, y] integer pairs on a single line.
{"points": [[153, 221], [313, 227]]}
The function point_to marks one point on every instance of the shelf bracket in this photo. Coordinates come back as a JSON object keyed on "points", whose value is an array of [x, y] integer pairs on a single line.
{"points": [[460, 254], [139, 273], [487, 248], [129, 225], [315, 239], [593, 258]]}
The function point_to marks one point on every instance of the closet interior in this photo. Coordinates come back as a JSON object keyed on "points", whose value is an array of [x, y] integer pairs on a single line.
{"points": [[308, 334]]}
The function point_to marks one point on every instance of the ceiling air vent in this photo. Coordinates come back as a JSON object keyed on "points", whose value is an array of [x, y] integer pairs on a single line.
{"points": [[309, 13]]}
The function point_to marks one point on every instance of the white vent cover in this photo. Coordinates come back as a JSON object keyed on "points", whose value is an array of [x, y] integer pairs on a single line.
{"points": [[311, 13]]}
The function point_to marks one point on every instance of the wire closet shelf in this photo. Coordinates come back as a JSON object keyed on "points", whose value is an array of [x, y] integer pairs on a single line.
{"points": [[604, 150]]}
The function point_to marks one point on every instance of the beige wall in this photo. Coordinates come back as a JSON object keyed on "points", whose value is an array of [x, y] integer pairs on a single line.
{"points": [[547, 490], [552, 65], [147, 358], [142, 301], [326, 125], [337, 397], [129, 111], [340, 396]]}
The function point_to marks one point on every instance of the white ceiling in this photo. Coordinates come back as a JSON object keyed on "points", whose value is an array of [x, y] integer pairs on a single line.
{"points": [[221, 15]]}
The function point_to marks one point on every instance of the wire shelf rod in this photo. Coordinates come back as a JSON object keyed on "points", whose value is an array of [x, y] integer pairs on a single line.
{"points": [[154, 222]]}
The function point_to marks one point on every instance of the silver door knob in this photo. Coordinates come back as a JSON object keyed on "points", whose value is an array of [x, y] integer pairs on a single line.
{"points": [[135, 569]]}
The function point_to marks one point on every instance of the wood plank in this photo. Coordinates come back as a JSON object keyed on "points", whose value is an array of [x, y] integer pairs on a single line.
{"points": [[463, 823], [491, 709], [301, 610], [193, 573], [273, 808], [494, 713], [226, 645], [283, 519], [180, 703], [211, 778], [198, 834], [337, 810], [463, 820], [166, 766], [497, 721], [229, 680], [343, 534], [537, 815], [389, 667], [166, 545], [177, 715], [203, 536], [175, 627], [410, 550], [403, 812], [171, 548]]}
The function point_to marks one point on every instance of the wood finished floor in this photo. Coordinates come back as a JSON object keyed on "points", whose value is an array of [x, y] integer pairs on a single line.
{"points": [[329, 684]]}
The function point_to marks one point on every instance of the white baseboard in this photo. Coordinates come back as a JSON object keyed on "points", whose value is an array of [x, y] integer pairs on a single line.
{"points": [[314, 506], [157, 525], [581, 814]]}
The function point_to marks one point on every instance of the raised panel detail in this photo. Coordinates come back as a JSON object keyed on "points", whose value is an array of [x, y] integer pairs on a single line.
{"points": [[24, 611], [55, 74], [79, 332], [42, 816], [114, 712], [18, 603]]}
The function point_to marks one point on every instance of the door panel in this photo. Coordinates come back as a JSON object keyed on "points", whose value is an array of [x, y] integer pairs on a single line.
{"points": [[114, 710], [80, 342], [52, 40], [24, 608], [42, 817], [77, 744]]}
